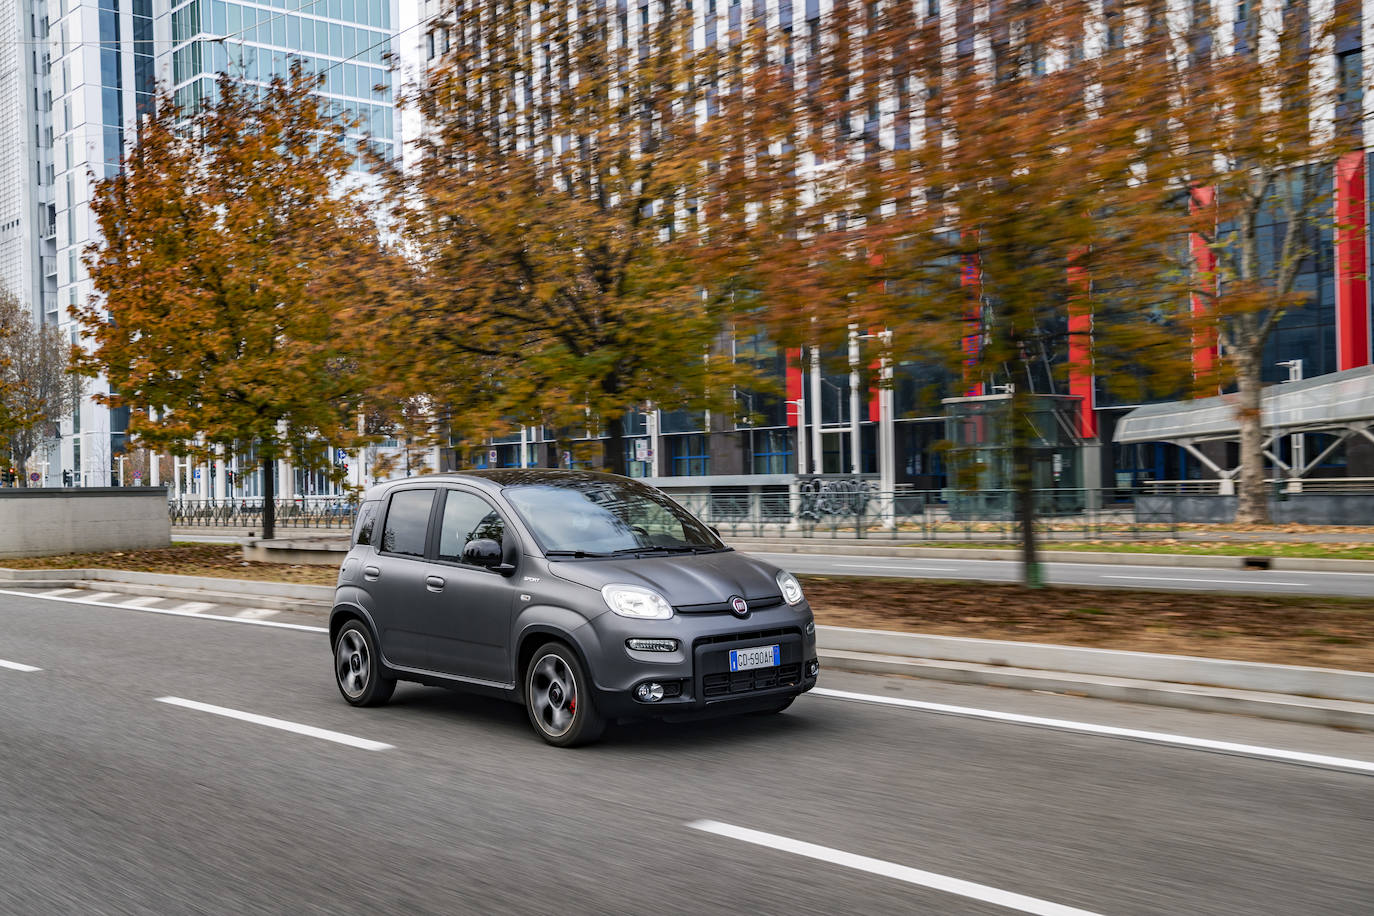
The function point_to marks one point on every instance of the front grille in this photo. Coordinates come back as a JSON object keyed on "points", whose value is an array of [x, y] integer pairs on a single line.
{"points": [[723, 607], [745, 637], [732, 683]]}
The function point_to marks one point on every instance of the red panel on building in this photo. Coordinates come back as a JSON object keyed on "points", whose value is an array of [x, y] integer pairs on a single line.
{"points": [[1204, 339], [1081, 352], [973, 327], [1352, 290], [794, 385]]}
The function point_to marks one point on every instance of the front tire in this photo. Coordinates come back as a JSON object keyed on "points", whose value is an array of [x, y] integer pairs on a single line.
{"points": [[358, 667], [558, 698]]}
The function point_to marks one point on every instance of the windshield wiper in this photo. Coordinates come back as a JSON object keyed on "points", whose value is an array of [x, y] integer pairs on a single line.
{"points": [[577, 554]]}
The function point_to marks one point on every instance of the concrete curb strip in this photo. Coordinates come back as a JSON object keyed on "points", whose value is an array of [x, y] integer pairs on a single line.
{"points": [[1308, 710], [899, 551], [1146, 666]]}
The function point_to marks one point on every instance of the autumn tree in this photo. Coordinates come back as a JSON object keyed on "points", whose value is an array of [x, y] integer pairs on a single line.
{"points": [[994, 191], [37, 386], [577, 207], [238, 253], [1265, 114]]}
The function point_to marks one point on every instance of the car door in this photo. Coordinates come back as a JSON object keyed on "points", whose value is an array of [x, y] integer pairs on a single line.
{"points": [[395, 578], [469, 609]]}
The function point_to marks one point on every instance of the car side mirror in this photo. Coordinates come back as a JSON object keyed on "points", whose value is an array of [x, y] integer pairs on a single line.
{"points": [[486, 553], [714, 530]]}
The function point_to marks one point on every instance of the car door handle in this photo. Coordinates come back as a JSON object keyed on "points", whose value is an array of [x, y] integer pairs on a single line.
{"points": [[434, 583], [371, 573]]}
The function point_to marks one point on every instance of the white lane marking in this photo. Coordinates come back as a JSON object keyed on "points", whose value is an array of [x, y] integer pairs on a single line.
{"points": [[1110, 731], [15, 666], [193, 607], [1240, 580], [322, 733], [98, 596], [170, 612], [255, 613], [145, 601], [61, 591], [948, 885], [896, 568]]}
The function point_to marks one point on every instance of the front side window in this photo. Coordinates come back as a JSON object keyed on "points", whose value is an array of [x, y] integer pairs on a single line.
{"points": [[595, 515], [407, 522], [467, 517]]}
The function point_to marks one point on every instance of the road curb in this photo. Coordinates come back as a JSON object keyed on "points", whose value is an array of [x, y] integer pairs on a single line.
{"points": [[902, 551], [1286, 707]]}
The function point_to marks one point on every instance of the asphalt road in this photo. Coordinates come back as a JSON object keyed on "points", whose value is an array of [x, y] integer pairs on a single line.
{"points": [[112, 801], [1097, 575]]}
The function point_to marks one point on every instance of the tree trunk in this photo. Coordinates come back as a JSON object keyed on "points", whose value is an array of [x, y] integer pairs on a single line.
{"points": [[1252, 503], [1023, 487], [614, 460], [269, 499]]}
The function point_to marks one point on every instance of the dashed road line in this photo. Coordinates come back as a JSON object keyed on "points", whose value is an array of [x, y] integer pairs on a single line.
{"points": [[53, 593], [15, 666], [169, 612], [255, 613], [1110, 731], [896, 568], [144, 601], [957, 886], [193, 607], [311, 731], [99, 596]]}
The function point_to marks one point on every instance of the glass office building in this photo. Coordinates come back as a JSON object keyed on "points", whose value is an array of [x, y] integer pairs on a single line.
{"points": [[100, 69], [348, 42]]}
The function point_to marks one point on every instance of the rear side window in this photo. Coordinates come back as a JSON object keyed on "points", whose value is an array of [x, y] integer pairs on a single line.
{"points": [[367, 518], [407, 522]]}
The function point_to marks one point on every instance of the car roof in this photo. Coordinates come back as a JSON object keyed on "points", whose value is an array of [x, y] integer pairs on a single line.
{"points": [[503, 477]]}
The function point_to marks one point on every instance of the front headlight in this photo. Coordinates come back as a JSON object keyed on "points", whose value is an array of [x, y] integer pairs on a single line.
{"points": [[636, 602], [791, 588]]}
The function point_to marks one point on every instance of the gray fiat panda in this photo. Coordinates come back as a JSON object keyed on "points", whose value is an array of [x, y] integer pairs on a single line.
{"points": [[585, 596]]}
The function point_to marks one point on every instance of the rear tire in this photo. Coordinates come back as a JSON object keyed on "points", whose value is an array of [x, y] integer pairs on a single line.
{"points": [[358, 667], [558, 698]]}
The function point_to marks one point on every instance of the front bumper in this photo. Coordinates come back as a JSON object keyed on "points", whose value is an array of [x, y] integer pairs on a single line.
{"points": [[697, 677]]}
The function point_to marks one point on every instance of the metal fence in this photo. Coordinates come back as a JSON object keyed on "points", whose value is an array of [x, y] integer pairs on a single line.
{"points": [[853, 509], [846, 508], [300, 512]]}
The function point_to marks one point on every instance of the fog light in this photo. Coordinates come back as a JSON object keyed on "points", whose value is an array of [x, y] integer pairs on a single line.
{"points": [[813, 667], [652, 645], [650, 692], [810, 628]]}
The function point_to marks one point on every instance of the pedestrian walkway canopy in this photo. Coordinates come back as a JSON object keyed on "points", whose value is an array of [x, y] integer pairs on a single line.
{"points": [[1338, 401]]}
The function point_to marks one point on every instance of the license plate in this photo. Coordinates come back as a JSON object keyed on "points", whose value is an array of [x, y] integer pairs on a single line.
{"points": [[757, 657]]}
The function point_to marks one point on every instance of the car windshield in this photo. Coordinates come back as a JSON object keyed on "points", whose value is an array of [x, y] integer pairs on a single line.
{"points": [[599, 517]]}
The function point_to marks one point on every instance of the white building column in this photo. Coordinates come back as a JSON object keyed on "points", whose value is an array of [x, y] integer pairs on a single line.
{"points": [[286, 479], [221, 478], [855, 452], [817, 447]]}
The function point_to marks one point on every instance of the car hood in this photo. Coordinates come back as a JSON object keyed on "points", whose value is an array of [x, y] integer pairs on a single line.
{"points": [[687, 581]]}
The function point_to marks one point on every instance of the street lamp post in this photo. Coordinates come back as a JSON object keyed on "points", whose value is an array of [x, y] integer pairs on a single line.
{"points": [[1297, 459]]}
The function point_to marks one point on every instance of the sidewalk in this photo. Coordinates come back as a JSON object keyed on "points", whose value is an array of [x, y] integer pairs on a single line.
{"points": [[1318, 696], [319, 545]]}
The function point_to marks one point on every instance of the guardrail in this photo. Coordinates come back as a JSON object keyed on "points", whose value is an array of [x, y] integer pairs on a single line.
{"points": [[246, 512]]}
